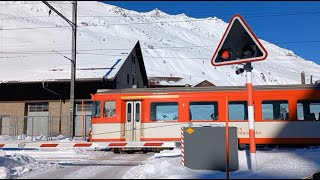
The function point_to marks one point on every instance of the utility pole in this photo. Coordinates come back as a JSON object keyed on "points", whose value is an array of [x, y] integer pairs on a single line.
{"points": [[73, 24], [73, 69]]}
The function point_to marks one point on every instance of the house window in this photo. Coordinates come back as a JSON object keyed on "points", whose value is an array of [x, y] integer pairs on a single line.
{"points": [[87, 106], [38, 107], [133, 69]]}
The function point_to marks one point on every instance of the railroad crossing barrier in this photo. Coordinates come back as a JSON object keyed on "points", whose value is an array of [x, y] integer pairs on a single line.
{"points": [[84, 144]]}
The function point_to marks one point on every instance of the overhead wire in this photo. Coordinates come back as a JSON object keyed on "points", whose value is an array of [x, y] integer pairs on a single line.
{"points": [[27, 3], [263, 15], [172, 21], [154, 48], [145, 56]]}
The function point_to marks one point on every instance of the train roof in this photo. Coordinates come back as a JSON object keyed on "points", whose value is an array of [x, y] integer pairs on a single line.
{"points": [[211, 88]]}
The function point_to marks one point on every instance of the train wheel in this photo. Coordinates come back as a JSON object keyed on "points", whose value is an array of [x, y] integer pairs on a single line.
{"points": [[157, 150], [115, 150], [145, 150]]}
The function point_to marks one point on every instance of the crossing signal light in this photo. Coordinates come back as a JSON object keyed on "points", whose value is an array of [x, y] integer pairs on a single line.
{"points": [[225, 54], [238, 45]]}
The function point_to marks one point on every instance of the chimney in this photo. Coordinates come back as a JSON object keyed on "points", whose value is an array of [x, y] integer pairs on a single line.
{"points": [[303, 78]]}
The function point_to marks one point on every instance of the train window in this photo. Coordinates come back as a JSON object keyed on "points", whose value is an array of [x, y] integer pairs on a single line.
{"points": [[308, 110], [238, 110], [164, 111], [129, 112], [137, 112], [96, 108], [109, 109], [275, 110], [203, 110]]}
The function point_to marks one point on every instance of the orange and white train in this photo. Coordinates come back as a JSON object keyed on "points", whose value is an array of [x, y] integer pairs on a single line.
{"points": [[153, 117]]}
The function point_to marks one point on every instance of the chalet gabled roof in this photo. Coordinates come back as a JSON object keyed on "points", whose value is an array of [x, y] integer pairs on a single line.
{"points": [[204, 83], [55, 67]]}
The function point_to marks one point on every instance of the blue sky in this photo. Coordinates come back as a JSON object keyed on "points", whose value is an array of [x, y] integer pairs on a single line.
{"points": [[289, 24]]}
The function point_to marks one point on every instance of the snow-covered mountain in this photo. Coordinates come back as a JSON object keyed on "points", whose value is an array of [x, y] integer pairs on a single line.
{"points": [[172, 45]]}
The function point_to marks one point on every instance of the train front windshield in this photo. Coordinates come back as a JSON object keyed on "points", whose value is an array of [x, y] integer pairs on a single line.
{"points": [[96, 108]]}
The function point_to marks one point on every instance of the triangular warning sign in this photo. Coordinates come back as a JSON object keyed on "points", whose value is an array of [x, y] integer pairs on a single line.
{"points": [[238, 45]]}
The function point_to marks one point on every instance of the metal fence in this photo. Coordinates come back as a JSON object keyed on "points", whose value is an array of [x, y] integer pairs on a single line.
{"points": [[40, 128]]}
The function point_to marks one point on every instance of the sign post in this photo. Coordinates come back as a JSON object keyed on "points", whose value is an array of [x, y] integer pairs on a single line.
{"points": [[240, 45], [247, 67]]}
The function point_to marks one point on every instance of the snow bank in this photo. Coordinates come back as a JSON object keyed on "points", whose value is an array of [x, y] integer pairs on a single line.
{"points": [[14, 165]]}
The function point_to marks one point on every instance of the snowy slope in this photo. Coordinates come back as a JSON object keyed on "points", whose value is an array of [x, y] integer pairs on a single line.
{"points": [[172, 45]]}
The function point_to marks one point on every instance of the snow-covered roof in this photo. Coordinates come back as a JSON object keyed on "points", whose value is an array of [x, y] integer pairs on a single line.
{"points": [[56, 67]]}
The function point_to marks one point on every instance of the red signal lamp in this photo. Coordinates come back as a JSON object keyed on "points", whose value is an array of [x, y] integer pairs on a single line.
{"points": [[225, 54]]}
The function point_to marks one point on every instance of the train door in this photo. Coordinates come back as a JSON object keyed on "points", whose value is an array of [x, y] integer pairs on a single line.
{"points": [[133, 120]]}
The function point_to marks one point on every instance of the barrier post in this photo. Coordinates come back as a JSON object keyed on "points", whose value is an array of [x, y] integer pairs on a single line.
{"points": [[247, 67], [227, 142], [83, 130]]}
